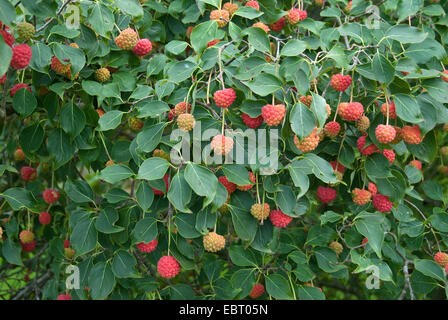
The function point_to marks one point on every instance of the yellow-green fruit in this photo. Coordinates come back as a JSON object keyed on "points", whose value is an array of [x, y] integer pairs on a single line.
{"points": [[186, 121], [25, 30], [102, 74], [362, 124], [26, 236], [336, 247], [444, 151], [136, 124], [161, 154], [69, 253], [260, 211], [45, 167], [19, 155], [214, 242], [127, 39]]}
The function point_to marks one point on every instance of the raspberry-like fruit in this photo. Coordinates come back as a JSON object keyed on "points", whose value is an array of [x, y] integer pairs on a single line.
{"points": [[66, 243], [273, 114], [225, 97], [262, 26], [257, 291], [279, 219], [127, 39], [411, 135], [337, 166], [220, 16], [248, 186], [296, 15], [231, 7], [385, 133], [17, 87], [260, 211], [325, 194], [441, 258], [25, 30], [230, 186], [382, 203], [182, 107], [142, 48], [372, 188], [222, 145], [147, 247], [214, 242], [336, 247], [26, 236], [19, 155], [7, 37], [332, 129], [308, 143], [340, 82], [168, 267], [64, 297], [28, 173], [102, 75], [252, 122], [392, 114], [351, 111], [28, 247], [21, 56], [44, 218], [278, 26], [390, 155], [362, 124], [361, 142], [306, 100], [186, 121], [213, 42], [50, 195], [416, 164], [58, 67], [158, 192], [361, 197], [253, 4]]}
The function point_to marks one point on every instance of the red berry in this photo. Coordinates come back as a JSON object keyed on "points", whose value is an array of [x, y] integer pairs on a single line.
{"points": [[416, 164], [17, 87], [337, 166], [230, 186], [351, 111], [66, 243], [253, 4], [171, 114], [252, 122], [411, 135], [389, 154], [28, 247], [50, 195], [441, 258], [340, 82], [361, 197], [225, 97], [279, 219], [382, 203], [158, 192], [326, 195], [278, 26], [147, 247], [44, 218], [9, 39], [367, 150], [28, 173], [372, 188], [295, 15], [273, 114], [213, 42], [21, 56], [332, 129], [221, 145], [385, 133], [392, 114], [257, 291], [64, 297], [168, 267], [248, 186], [142, 48]]}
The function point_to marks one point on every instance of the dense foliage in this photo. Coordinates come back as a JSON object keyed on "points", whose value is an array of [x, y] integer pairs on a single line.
{"points": [[92, 95]]}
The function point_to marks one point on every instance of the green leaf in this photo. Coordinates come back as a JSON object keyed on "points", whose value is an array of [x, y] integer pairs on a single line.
{"points": [[5, 50], [153, 169], [74, 56], [406, 34], [7, 13], [377, 166], [149, 138], [19, 198], [176, 46], [408, 8], [11, 252], [237, 174], [201, 180], [203, 33], [302, 120], [185, 224], [248, 12], [258, 39], [145, 230], [131, 7], [293, 48], [433, 190], [327, 260], [242, 257], [277, 286], [31, 138], [73, 119], [84, 236], [373, 232], [181, 71], [101, 19], [429, 268], [110, 120], [244, 223], [123, 264], [116, 172], [310, 293], [106, 220], [179, 193], [144, 195], [78, 191], [24, 102], [383, 69], [407, 108], [101, 280], [264, 84]]}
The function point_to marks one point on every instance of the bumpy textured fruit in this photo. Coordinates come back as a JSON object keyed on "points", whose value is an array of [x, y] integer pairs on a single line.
{"points": [[102, 75], [416, 164], [225, 97], [100, 112], [17, 87], [66, 243], [252, 122], [58, 67], [231, 7], [230, 186], [260, 211], [19, 155], [214, 242], [411, 134], [182, 107], [306, 100], [441, 258], [74, 45], [360, 196], [444, 151], [445, 72], [147, 247], [7, 37], [21, 56], [161, 154], [248, 186], [136, 124], [365, 151], [222, 145], [278, 26], [44, 218], [392, 114], [127, 39], [213, 42], [279, 219], [25, 30], [168, 267], [158, 192], [340, 82], [28, 247], [385, 133], [253, 4], [351, 111], [336, 247], [382, 203], [26, 236], [325, 194], [28, 173], [142, 48], [273, 114], [69, 253], [262, 26], [398, 135], [64, 297], [220, 16], [362, 124], [308, 143], [257, 291], [372, 188], [390, 155], [295, 15], [337, 166], [186, 121], [50, 195], [110, 163], [332, 129]]}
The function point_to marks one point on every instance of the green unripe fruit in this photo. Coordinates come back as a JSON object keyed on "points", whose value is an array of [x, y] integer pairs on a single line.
{"points": [[25, 30]]}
